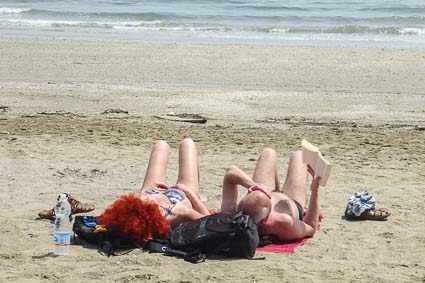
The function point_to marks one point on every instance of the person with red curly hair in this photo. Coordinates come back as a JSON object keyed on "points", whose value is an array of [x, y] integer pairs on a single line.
{"points": [[150, 213]]}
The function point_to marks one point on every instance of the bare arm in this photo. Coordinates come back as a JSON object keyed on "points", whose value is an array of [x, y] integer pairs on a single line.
{"points": [[234, 177], [313, 211], [197, 204], [183, 214]]}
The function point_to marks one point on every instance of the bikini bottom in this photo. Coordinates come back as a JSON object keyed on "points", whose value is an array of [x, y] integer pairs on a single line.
{"points": [[300, 210]]}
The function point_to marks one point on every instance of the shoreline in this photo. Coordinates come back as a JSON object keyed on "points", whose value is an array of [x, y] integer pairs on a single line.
{"points": [[234, 42], [364, 109]]}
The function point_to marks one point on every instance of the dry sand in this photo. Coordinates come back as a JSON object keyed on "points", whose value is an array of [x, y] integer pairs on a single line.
{"points": [[365, 108]]}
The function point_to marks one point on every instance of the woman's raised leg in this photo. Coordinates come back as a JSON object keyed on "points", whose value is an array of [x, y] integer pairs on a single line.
{"points": [[188, 165], [157, 167]]}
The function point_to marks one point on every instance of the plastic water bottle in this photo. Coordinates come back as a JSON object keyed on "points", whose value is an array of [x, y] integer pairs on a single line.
{"points": [[62, 232]]}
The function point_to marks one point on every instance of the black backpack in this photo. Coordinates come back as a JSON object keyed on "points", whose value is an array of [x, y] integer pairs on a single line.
{"points": [[108, 242], [228, 234]]}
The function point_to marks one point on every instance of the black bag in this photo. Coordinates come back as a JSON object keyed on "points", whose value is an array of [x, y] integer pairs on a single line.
{"points": [[229, 234], [108, 242]]}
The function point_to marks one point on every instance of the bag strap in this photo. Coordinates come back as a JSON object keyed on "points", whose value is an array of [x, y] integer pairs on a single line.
{"points": [[107, 247], [156, 246], [237, 215]]}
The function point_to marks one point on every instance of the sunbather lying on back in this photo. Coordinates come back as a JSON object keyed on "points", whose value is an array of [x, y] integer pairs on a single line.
{"points": [[157, 207], [277, 212]]}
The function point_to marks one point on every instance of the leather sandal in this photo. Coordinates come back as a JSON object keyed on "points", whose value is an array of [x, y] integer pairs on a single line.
{"points": [[377, 214], [76, 207], [79, 207]]}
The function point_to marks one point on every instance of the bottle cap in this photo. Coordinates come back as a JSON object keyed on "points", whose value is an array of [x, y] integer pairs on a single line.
{"points": [[63, 197]]}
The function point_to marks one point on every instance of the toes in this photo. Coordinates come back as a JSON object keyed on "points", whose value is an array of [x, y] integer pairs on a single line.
{"points": [[379, 214]]}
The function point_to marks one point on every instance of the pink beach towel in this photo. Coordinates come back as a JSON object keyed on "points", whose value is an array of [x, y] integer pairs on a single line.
{"points": [[288, 247]]}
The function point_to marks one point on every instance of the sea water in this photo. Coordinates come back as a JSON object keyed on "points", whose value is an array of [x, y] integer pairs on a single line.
{"points": [[379, 23]]}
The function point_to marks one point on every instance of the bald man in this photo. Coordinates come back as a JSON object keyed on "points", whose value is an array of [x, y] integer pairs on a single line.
{"points": [[277, 212]]}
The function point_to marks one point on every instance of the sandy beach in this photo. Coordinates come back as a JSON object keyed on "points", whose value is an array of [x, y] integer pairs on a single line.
{"points": [[364, 108]]}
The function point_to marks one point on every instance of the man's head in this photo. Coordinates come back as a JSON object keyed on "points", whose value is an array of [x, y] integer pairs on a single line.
{"points": [[256, 204]]}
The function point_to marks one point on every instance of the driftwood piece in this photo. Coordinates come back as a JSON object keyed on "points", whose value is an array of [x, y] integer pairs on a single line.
{"points": [[60, 113], [183, 117], [114, 111], [4, 109]]}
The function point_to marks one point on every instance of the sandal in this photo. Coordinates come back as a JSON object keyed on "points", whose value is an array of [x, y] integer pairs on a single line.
{"points": [[380, 214], [76, 207], [79, 207], [47, 214]]}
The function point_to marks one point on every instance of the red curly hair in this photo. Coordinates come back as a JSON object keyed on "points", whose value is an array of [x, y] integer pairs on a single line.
{"points": [[135, 219]]}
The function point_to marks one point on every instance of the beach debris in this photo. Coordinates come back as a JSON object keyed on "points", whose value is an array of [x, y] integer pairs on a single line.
{"points": [[60, 113], [183, 117], [114, 111], [78, 172], [96, 171], [4, 109], [421, 129], [305, 121]]}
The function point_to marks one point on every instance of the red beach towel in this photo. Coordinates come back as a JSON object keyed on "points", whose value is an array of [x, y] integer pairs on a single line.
{"points": [[288, 247]]}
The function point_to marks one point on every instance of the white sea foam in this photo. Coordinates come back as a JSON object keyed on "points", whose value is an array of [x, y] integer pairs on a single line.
{"points": [[134, 24], [279, 30], [13, 10], [77, 24], [34, 22], [149, 26], [412, 31]]}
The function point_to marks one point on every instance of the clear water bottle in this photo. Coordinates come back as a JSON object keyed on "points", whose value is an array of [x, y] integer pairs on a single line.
{"points": [[62, 233]]}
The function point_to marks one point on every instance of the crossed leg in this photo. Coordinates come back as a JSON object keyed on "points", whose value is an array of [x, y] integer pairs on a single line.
{"points": [[157, 167], [188, 165], [296, 179]]}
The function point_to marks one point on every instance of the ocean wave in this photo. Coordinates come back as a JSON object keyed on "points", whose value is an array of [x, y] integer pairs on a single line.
{"points": [[412, 31], [13, 10], [270, 8], [77, 24], [348, 30], [178, 28], [392, 9], [97, 15], [173, 26], [236, 19]]}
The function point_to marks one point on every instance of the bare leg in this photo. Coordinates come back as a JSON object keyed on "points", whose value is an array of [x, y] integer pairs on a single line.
{"points": [[296, 179], [157, 167], [266, 169], [188, 165]]}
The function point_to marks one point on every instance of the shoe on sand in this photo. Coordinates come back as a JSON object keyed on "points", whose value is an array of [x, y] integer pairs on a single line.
{"points": [[79, 207], [370, 214], [47, 214], [76, 207]]}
